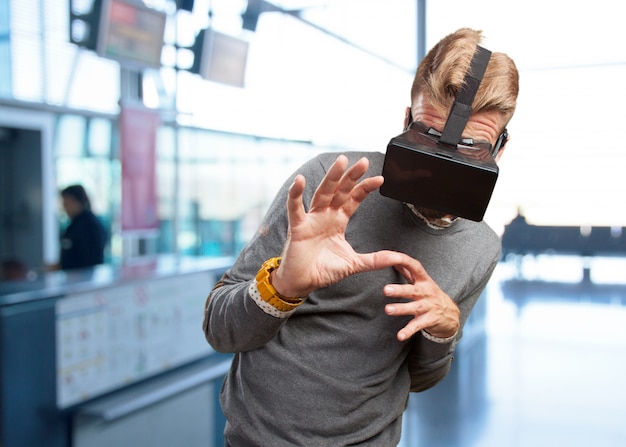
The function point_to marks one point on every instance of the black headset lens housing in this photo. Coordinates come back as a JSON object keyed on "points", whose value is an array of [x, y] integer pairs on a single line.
{"points": [[442, 171]]}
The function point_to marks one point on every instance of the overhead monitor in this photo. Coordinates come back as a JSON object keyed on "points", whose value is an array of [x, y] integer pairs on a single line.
{"points": [[131, 33], [222, 58]]}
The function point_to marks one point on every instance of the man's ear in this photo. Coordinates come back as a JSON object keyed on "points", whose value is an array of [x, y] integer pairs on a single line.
{"points": [[502, 149], [408, 119]]}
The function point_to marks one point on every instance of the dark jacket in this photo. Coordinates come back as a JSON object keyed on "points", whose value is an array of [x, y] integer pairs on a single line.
{"points": [[82, 243]]}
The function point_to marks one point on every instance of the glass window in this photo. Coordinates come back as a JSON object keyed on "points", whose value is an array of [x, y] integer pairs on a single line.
{"points": [[213, 186], [26, 67], [166, 189], [226, 182], [91, 166], [99, 137], [70, 136], [4, 18], [5, 67], [95, 84], [5, 50]]}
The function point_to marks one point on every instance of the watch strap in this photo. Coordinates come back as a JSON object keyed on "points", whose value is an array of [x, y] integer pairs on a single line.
{"points": [[267, 291]]}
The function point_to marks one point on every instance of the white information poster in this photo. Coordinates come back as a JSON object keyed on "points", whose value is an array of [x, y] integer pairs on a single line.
{"points": [[115, 336]]}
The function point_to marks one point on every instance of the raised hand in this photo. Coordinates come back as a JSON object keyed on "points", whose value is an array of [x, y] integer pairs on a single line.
{"points": [[316, 253]]}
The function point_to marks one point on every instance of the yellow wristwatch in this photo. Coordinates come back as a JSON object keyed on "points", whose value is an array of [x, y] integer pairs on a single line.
{"points": [[268, 292]]}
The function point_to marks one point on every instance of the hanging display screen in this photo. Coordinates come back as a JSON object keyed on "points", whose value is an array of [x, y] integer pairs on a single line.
{"points": [[131, 34]]}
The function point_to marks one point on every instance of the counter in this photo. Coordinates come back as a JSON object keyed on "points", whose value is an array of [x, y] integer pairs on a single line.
{"points": [[78, 340]]}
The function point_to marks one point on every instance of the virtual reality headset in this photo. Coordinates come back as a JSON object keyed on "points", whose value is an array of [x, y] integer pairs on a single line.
{"points": [[442, 171]]}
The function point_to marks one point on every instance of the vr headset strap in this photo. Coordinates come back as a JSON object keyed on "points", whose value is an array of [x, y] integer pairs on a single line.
{"points": [[462, 107]]}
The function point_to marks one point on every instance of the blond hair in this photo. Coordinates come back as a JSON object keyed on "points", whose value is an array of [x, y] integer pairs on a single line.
{"points": [[440, 76]]}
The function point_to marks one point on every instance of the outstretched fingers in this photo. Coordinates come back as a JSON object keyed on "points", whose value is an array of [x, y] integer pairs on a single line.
{"points": [[340, 192], [341, 186], [325, 192], [295, 207], [360, 192], [347, 183]]}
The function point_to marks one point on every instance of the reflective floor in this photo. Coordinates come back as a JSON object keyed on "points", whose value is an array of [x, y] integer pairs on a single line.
{"points": [[543, 364]]}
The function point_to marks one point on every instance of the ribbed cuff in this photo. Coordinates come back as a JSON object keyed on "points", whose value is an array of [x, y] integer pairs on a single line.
{"points": [[431, 337]]}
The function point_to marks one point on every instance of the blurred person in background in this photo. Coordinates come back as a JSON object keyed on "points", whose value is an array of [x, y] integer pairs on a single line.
{"points": [[84, 239]]}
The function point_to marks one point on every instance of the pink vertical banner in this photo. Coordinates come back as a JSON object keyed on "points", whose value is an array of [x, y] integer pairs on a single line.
{"points": [[138, 134]]}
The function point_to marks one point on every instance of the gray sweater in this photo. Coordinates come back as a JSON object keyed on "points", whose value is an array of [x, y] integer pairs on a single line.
{"points": [[333, 373]]}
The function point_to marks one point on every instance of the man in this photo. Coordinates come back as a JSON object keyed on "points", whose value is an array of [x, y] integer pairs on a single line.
{"points": [[368, 297]]}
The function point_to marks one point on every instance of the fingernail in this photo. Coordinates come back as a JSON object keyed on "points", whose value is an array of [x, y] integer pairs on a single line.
{"points": [[388, 290], [390, 309]]}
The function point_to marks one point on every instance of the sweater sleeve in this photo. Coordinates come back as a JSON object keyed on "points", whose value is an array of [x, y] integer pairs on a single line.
{"points": [[233, 322]]}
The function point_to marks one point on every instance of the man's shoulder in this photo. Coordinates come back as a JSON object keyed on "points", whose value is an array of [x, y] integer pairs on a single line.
{"points": [[480, 233]]}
